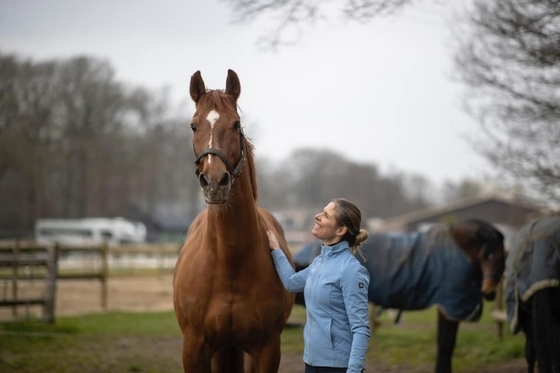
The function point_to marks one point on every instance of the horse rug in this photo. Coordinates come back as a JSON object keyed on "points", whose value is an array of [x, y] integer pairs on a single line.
{"points": [[413, 271], [533, 263]]}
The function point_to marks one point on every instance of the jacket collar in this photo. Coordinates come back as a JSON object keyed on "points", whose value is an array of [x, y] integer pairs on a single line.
{"points": [[334, 249]]}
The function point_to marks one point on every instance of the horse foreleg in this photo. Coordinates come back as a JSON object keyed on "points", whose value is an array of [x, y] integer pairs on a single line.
{"points": [[266, 358], [545, 321], [530, 356], [196, 357], [446, 337], [555, 328]]}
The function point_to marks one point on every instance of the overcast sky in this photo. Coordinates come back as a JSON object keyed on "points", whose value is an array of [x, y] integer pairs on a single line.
{"points": [[380, 93]]}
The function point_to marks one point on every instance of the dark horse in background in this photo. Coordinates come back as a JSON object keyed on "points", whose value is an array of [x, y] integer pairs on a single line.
{"points": [[451, 266], [533, 291], [229, 301]]}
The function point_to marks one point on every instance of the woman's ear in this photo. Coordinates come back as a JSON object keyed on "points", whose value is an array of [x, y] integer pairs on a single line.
{"points": [[341, 231]]}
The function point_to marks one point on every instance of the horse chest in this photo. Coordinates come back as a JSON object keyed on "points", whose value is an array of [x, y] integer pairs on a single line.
{"points": [[232, 319], [223, 301]]}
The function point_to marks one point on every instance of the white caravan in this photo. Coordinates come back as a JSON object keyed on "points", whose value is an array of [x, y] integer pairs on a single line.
{"points": [[89, 231]]}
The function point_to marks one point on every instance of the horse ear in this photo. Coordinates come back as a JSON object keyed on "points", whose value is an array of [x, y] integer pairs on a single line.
{"points": [[233, 87], [197, 88]]}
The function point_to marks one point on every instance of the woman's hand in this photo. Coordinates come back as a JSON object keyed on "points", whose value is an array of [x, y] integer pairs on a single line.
{"points": [[272, 240]]}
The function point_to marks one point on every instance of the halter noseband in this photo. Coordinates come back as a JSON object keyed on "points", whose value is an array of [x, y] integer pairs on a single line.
{"points": [[234, 172]]}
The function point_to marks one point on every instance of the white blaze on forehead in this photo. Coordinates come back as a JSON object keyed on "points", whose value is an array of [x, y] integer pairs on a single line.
{"points": [[212, 118]]}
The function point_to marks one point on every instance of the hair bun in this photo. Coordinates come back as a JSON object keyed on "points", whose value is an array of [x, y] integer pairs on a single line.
{"points": [[361, 236]]}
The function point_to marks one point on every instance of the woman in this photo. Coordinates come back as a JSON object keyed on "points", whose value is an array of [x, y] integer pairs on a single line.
{"points": [[335, 285]]}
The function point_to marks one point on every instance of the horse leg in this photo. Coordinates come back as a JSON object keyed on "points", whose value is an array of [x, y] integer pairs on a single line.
{"points": [[266, 358], [546, 328], [530, 356], [446, 337], [554, 330], [374, 323], [196, 358]]}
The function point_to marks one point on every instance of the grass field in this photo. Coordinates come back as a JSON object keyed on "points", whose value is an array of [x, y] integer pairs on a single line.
{"points": [[151, 342]]}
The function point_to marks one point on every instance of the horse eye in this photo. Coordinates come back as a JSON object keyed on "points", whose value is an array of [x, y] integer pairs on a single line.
{"points": [[193, 127], [237, 124]]}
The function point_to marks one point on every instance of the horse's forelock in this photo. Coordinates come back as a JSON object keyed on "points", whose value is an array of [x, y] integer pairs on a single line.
{"points": [[218, 100], [489, 234]]}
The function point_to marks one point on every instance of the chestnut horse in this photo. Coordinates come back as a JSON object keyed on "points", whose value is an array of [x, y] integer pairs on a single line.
{"points": [[451, 266], [229, 301]]}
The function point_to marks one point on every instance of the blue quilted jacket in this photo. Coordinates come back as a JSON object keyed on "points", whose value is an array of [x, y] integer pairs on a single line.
{"points": [[335, 288]]}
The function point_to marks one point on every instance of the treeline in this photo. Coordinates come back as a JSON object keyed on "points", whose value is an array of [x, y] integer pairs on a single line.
{"points": [[310, 178], [77, 142]]}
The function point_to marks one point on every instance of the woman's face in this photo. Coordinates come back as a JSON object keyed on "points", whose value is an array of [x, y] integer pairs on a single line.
{"points": [[326, 226]]}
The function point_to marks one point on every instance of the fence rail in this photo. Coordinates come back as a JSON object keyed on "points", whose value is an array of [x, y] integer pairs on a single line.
{"points": [[26, 261], [16, 265]]}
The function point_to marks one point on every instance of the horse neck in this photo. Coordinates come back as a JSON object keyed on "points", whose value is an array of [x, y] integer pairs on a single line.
{"points": [[466, 241], [237, 221]]}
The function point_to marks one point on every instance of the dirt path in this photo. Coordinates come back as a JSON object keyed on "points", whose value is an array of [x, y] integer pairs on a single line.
{"points": [[149, 293]]}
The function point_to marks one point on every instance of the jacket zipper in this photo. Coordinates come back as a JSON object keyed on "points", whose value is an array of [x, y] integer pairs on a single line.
{"points": [[313, 291]]}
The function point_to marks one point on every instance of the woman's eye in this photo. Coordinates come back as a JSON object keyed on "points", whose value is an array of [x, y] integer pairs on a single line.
{"points": [[193, 127]]}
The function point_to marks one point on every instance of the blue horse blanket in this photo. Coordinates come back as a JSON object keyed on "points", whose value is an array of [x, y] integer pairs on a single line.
{"points": [[414, 271], [533, 263]]}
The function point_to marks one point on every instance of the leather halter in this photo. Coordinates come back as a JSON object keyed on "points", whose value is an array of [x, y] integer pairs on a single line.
{"points": [[234, 172]]}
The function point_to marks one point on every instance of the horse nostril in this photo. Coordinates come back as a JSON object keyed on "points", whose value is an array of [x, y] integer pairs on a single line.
{"points": [[203, 180], [224, 181]]}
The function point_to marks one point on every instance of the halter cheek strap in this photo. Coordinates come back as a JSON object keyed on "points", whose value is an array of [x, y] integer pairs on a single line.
{"points": [[235, 172]]}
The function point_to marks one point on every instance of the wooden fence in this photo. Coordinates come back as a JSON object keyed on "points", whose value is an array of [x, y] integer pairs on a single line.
{"points": [[21, 261], [32, 264]]}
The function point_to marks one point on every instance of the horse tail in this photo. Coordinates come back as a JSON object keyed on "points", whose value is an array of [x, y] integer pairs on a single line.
{"points": [[228, 360]]}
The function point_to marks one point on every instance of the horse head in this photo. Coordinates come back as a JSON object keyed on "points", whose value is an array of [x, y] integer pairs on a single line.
{"points": [[485, 246], [218, 140]]}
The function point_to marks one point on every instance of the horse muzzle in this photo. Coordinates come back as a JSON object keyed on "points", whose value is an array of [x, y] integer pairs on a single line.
{"points": [[491, 295], [215, 193]]}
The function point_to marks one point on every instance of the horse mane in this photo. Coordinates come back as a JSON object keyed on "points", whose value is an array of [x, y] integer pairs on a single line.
{"points": [[217, 99], [250, 161]]}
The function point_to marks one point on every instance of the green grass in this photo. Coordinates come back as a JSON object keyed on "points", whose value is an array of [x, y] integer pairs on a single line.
{"points": [[412, 342], [151, 343], [111, 342]]}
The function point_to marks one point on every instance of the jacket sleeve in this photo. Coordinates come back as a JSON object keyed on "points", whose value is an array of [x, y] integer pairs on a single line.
{"points": [[354, 284], [293, 281]]}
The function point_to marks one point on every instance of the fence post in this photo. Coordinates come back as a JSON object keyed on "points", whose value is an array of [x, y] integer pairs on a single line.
{"points": [[104, 275], [15, 276], [52, 272]]}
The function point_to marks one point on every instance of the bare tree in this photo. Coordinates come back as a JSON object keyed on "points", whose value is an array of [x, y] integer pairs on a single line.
{"points": [[291, 15], [509, 58], [26, 115], [310, 178], [466, 188]]}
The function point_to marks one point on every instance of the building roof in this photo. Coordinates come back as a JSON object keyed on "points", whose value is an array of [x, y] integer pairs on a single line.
{"points": [[435, 211]]}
